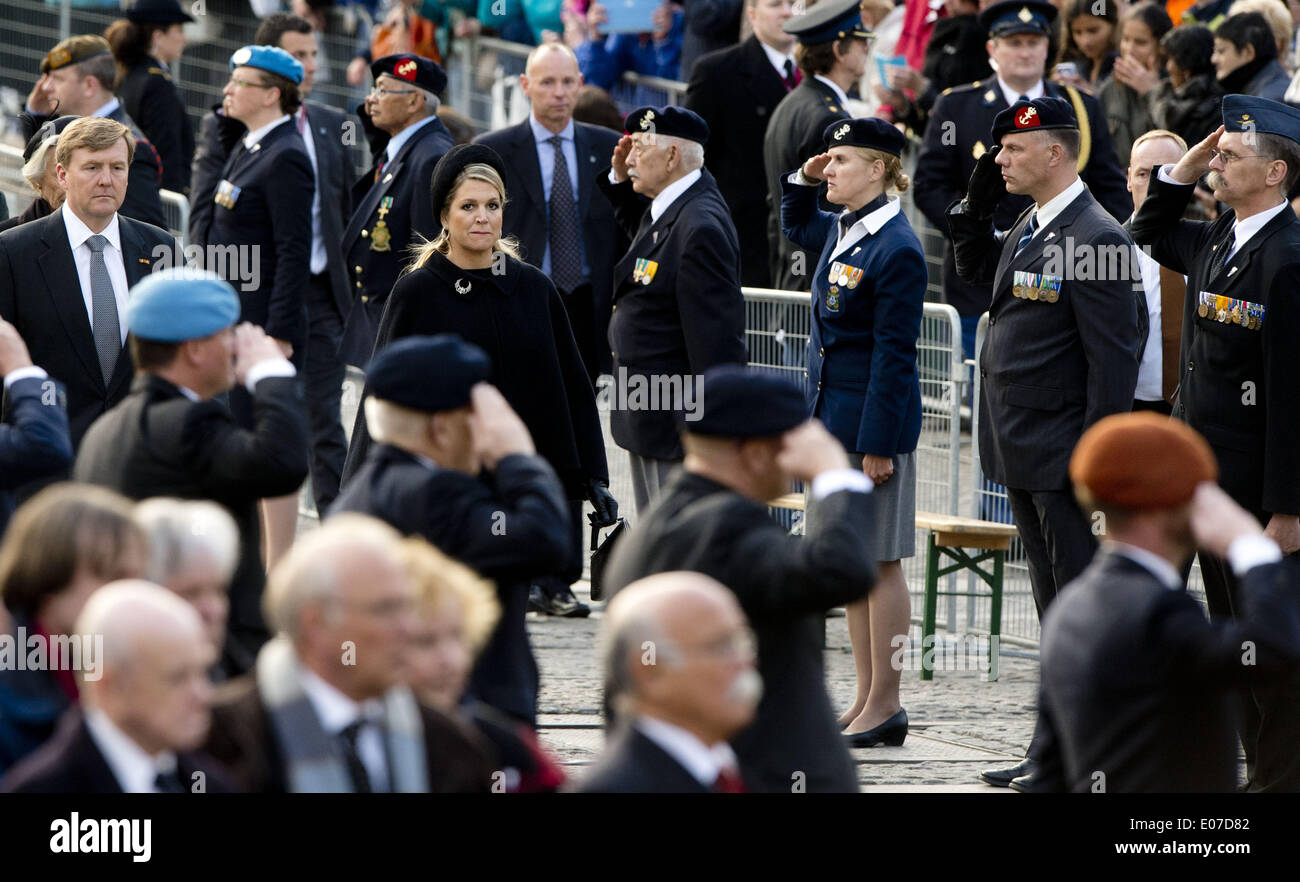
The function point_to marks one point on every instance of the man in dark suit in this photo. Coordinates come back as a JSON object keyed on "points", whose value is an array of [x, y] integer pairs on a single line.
{"points": [[563, 230], [455, 465], [1062, 345], [735, 91], [708, 26], [832, 57], [64, 278], [678, 286], [392, 206], [677, 711], [955, 138], [751, 440], [1239, 360], [77, 78], [1137, 687], [143, 710], [170, 438], [34, 439], [314, 719]]}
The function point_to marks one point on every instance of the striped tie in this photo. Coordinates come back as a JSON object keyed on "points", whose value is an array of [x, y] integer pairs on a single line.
{"points": [[1028, 234], [105, 323]]}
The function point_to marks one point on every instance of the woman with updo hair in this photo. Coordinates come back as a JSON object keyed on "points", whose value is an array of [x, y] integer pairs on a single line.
{"points": [[868, 292]]}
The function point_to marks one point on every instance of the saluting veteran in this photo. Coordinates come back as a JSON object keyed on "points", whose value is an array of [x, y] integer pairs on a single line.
{"points": [[1240, 361], [677, 304]]}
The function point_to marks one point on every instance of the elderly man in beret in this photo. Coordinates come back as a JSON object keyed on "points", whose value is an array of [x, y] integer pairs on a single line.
{"points": [[1137, 686], [677, 307], [753, 438], [1240, 362], [171, 437]]}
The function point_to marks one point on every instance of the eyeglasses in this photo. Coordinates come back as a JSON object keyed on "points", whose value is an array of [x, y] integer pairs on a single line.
{"points": [[1228, 157], [378, 92], [239, 84]]}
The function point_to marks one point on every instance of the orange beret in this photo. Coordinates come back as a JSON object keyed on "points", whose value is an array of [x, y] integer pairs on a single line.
{"points": [[1142, 461]]}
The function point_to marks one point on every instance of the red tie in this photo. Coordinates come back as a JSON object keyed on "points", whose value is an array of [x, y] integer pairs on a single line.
{"points": [[728, 781]]}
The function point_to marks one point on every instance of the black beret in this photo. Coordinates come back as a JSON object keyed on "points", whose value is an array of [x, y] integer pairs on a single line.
{"points": [[49, 128], [869, 132], [1038, 115], [736, 402], [451, 165], [157, 12], [829, 20], [428, 374], [677, 122], [414, 69], [1018, 17]]}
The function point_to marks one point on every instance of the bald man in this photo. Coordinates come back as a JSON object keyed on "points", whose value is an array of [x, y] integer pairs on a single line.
{"points": [[568, 231], [679, 669], [145, 702]]}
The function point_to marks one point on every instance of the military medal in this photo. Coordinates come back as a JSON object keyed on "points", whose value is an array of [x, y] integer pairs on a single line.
{"points": [[380, 236], [644, 272], [833, 298]]}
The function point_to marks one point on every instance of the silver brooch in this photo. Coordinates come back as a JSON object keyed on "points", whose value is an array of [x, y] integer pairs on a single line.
{"points": [[465, 290]]}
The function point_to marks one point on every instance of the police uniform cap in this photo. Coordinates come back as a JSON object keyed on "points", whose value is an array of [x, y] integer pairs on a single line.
{"points": [[271, 59], [829, 20], [868, 132], [1246, 113], [1039, 115], [453, 163], [179, 304], [157, 12], [75, 50], [678, 122], [413, 69], [51, 128], [1018, 17], [428, 374], [1140, 461], [736, 402]]}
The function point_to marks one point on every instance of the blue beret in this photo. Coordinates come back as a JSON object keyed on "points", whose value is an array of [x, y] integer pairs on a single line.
{"points": [[1245, 113], [1040, 114], [1018, 17], [271, 59], [669, 120], [179, 304], [414, 69], [829, 20], [428, 374], [869, 132], [736, 402]]}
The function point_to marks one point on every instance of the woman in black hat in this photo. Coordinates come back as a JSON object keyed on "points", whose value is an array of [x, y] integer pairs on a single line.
{"points": [[868, 292], [144, 43], [38, 170], [469, 281]]}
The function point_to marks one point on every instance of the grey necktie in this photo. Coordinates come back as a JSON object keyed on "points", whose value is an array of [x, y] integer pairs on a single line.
{"points": [[566, 252], [105, 324]]}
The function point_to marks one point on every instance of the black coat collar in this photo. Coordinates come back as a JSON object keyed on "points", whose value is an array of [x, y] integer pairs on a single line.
{"points": [[456, 278]]}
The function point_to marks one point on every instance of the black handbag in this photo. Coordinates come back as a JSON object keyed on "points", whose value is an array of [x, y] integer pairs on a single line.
{"points": [[600, 552]]}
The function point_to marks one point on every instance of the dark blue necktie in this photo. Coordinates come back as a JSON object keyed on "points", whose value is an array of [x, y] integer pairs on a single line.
{"points": [[1027, 234], [566, 249]]}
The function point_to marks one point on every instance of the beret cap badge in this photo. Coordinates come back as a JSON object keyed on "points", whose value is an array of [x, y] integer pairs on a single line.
{"points": [[242, 56], [647, 119], [841, 132], [1025, 15], [405, 69], [58, 58], [1027, 118]]}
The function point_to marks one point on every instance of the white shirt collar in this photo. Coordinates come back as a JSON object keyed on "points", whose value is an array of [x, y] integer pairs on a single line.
{"points": [[839, 93], [778, 59], [78, 232], [669, 194], [1152, 563], [541, 134], [112, 105], [1012, 96], [134, 769], [395, 143], [1242, 230], [258, 134], [336, 710], [1048, 211], [701, 761], [872, 221]]}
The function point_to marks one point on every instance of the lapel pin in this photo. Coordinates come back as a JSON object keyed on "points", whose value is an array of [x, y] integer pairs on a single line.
{"points": [[1231, 271], [257, 146], [654, 237], [1048, 236], [143, 259], [387, 178]]}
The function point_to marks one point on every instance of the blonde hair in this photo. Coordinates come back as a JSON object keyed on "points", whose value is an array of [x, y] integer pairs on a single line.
{"points": [[34, 168], [93, 133], [894, 176], [475, 171], [1157, 134], [437, 577]]}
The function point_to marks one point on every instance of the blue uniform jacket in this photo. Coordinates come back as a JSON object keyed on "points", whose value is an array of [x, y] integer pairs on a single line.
{"points": [[862, 376]]}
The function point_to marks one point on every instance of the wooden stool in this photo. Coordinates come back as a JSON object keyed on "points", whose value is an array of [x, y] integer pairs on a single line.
{"points": [[949, 536]]}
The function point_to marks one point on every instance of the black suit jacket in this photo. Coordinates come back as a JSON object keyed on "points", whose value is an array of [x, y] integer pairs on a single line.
{"points": [[457, 513], [1049, 370], [527, 213], [632, 763], [159, 443], [785, 585], [1238, 385], [34, 438], [686, 318], [736, 91], [1138, 685], [152, 99], [40, 294], [71, 762]]}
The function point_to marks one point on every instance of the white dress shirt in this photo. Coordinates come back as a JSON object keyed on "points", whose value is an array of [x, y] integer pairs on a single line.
{"points": [[399, 140], [778, 60], [546, 162], [135, 770], [1047, 212], [1244, 554], [1012, 96], [704, 763], [319, 259], [78, 233], [1153, 563], [1242, 230], [336, 712], [669, 194], [251, 138], [1151, 371], [112, 105]]}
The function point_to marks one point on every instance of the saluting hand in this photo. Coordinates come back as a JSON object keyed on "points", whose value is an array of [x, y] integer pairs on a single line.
{"points": [[618, 162], [808, 449], [1196, 161], [815, 169], [1217, 520], [496, 431], [252, 346], [987, 186]]}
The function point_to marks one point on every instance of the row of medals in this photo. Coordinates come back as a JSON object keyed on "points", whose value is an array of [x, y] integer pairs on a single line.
{"points": [[1028, 292], [1247, 315]]}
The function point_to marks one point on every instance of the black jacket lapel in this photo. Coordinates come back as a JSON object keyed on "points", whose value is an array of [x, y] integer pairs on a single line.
{"points": [[61, 280]]}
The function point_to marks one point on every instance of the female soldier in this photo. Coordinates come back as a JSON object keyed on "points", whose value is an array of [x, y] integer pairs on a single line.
{"points": [[468, 281], [868, 291]]}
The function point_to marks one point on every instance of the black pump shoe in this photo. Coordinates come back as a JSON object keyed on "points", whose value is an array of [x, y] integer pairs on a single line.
{"points": [[891, 733]]}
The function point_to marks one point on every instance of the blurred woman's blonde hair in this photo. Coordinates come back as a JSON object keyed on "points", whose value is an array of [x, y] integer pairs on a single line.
{"points": [[438, 578]]}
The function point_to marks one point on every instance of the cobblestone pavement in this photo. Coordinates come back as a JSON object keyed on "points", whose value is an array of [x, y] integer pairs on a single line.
{"points": [[960, 723]]}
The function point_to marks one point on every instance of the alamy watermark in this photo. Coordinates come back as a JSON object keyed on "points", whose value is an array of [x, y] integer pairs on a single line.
{"points": [[22, 651], [669, 392]]}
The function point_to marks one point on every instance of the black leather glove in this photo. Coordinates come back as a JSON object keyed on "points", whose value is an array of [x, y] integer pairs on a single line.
{"points": [[605, 505], [229, 130], [986, 187]]}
